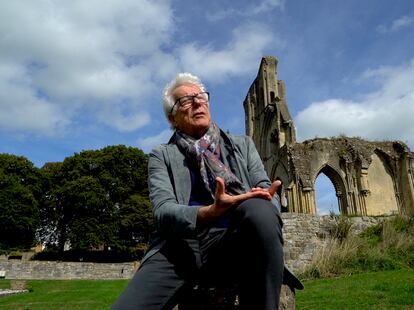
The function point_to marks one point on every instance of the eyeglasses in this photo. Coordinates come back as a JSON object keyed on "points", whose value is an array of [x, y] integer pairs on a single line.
{"points": [[186, 101]]}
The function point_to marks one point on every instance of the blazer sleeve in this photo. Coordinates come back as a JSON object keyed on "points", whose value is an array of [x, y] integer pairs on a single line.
{"points": [[171, 218]]}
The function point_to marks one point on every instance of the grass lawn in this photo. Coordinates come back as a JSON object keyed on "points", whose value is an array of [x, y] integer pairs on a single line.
{"points": [[376, 290], [64, 294]]}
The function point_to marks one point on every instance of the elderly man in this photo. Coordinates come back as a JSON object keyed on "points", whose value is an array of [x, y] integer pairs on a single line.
{"points": [[216, 218]]}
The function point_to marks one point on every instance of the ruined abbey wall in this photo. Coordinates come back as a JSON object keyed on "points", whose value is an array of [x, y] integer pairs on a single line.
{"points": [[370, 178], [304, 236]]}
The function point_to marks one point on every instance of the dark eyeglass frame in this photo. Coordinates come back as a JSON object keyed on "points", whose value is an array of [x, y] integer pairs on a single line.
{"points": [[190, 97]]}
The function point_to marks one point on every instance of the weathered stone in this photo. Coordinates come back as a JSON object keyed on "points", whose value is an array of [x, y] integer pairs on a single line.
{"points": [[370, 178], [16, 269], [306, 234], [18, 285], [287, 299]]}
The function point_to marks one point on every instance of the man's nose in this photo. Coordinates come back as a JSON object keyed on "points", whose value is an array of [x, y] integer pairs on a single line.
{"points": [[197, 101]]}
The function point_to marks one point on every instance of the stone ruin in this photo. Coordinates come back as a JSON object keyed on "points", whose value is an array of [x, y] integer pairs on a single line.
{"points": [[370, 178]]}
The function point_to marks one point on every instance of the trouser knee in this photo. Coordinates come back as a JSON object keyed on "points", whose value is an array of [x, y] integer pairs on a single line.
{"points": [[258, 219], [258, 212]]}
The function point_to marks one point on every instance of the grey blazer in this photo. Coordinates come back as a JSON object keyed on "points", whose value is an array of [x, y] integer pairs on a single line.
{"points": [[169, 184]]}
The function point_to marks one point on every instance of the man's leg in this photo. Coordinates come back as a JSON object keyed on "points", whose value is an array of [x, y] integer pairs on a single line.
{"points": [[251, 252], [155, 286], [260, 232]]}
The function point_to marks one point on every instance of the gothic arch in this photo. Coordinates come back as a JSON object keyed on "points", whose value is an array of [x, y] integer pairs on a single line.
{"points": [[339, 185], [386, 160], [280, 171], [356, 167]]}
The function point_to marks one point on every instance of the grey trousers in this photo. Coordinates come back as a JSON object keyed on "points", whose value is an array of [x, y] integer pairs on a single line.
{"points": [[248, 253]]}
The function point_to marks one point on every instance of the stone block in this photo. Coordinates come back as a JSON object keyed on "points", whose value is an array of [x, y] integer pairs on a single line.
{"points": [[287, 299], [18, 285]]}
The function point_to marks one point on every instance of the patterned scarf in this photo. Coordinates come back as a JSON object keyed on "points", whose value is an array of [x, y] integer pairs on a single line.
{"points": [[206, 152]]}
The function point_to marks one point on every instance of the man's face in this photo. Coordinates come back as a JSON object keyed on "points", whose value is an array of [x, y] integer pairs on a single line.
{"points": [[194, 120]]}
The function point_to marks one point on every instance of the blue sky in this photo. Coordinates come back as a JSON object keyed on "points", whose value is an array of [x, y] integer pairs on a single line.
{"points": [[78, 75]]}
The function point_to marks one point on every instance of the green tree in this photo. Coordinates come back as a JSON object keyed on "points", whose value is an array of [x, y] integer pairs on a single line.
{"points": [[97, 198], [135, 220], [19, 194], [52, 226], [88, 213]]}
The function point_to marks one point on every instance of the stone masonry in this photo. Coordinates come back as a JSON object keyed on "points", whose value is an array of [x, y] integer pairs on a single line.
{"points": [[370, 178], [304, 235], [17, 269]]}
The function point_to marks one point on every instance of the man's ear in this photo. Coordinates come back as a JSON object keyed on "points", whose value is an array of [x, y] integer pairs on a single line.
{"points": [[171, 118]]}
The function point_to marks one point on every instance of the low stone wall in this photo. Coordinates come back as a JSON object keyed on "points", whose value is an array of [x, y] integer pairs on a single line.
{"points": [[304, 236], [16, 269]]}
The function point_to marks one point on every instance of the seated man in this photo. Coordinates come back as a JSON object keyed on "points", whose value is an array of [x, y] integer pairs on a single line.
{"points": [[216, 218]]}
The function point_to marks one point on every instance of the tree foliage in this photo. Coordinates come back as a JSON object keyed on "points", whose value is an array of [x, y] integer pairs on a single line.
{"points": [[92, 200], [19, 198], [96, 198]]}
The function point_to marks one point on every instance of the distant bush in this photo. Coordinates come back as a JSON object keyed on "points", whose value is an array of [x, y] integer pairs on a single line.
{"points": [[12, 251], [339, 227]]}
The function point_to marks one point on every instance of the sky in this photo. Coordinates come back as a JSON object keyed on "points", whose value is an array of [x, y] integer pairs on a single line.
{"points": [[81, 75]]}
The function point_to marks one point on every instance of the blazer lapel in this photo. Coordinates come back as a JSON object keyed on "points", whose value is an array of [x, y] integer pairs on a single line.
{"points": [[181, 174], [228, 156]]}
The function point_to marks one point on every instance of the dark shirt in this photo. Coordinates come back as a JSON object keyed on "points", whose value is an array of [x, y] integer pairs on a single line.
{"points": [[200, 196]]}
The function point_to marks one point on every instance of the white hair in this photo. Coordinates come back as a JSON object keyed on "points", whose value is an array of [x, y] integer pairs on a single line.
{"points": [[180, 79]]}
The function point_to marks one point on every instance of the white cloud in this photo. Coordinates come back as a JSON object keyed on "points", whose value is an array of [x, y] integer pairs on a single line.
{"points": [[106, 58], [268, 5], [122, 119], [147, 144], [257, 8], [396, 25], [223, 14], [73, 55], [401, 23], [22, 109], [384, 114], [238, 57]]}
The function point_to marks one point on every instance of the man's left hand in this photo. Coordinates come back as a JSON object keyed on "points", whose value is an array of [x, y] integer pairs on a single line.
{"points": [[271, 190]]}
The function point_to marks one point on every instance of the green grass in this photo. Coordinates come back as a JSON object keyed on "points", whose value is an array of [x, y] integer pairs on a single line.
{"points": [[4, 284], [375, 290], [381, 262], [64, 294]]}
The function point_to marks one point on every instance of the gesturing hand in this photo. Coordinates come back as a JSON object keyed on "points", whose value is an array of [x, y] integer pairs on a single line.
{"points": [[224, 201], [271, 190]]}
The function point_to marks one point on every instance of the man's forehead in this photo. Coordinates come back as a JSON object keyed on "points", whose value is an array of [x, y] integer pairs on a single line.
{"points": [[185, 89]]}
